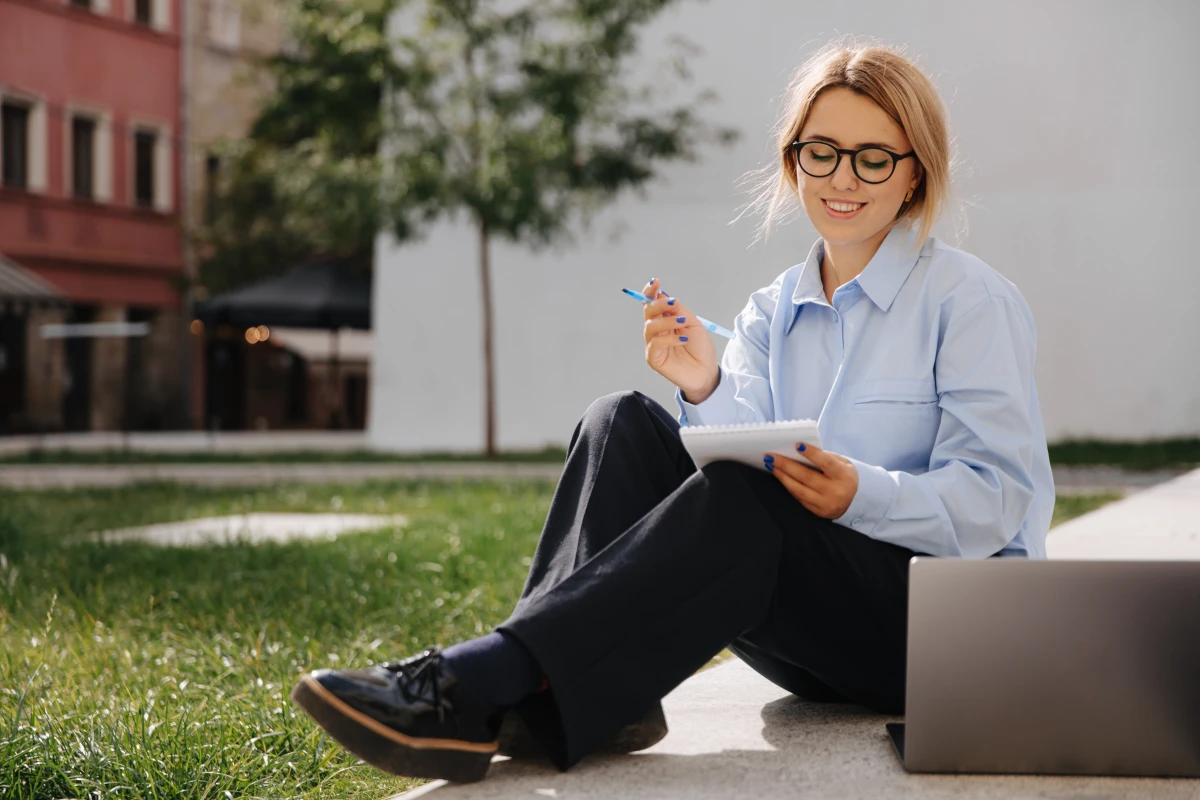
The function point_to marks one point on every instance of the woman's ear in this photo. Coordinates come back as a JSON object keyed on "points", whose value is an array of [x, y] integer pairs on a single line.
{"points": [[918, 176]]}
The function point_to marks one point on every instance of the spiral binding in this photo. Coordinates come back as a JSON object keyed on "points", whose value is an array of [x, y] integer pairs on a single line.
{"points": [[741, 427]]}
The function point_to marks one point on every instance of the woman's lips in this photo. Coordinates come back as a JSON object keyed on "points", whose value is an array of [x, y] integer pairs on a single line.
{"points": [[842, 214]]}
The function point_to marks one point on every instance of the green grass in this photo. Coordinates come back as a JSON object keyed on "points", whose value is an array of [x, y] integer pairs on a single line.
{"points": [[1070, 506], [551, 455], [128, 671], [1148, 455]]}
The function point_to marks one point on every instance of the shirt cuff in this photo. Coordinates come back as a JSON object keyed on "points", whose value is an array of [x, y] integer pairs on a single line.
{"points": [[719, 408], [876, 491]]}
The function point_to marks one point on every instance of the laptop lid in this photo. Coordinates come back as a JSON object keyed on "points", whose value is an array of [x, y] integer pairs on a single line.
{"points": [[1068, 667]]}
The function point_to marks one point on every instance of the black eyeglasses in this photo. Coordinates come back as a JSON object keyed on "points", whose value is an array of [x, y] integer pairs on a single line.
{"points": [[871, 164]]}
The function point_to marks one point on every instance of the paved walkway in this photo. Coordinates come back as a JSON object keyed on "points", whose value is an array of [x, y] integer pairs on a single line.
{"points": [[734, 734], [1068, 480], [251, 529], [69, 476], [1162, 522], [189, 442], [1108, 480]]}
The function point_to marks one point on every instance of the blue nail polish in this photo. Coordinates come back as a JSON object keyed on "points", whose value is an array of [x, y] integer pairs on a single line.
{"points": [[801, 448], [671, 302], [652, 280], [683, 338], [770, 467], [769, 459], [666, 294], [681, 319]]}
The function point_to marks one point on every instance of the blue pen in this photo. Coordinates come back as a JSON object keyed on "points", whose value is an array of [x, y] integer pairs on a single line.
{"points": [[709, 325]]}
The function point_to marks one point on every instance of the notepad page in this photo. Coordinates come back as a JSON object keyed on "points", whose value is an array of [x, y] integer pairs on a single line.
{"points": [[747, 443]]}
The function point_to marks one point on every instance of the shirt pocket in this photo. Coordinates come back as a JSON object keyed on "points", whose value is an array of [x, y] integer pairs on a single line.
{"points": [[893, 395], [893, 423]]}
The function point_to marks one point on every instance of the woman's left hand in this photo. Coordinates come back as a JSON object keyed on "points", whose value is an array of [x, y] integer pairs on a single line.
{"points": [[827, 495]]}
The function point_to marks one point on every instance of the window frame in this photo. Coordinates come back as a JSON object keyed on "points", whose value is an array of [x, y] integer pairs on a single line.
{"points": [[223, 24], [163, 170], [140, 135], [161, 15], [25, 107], [76, 119], [104, 154], [99, 7], [212, 177]]}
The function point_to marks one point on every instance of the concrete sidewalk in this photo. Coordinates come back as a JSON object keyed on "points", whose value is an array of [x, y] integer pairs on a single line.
{"points": [[188, 442], [1068, 480], [734, 734], [1162, 522], [255, 528], [76, 476]]}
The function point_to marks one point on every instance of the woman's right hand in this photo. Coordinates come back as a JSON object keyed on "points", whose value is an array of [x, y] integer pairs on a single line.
{"points": [[682, 352]]}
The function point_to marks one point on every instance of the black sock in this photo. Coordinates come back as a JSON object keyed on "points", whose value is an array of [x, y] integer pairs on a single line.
{"points": [[493, 670]]}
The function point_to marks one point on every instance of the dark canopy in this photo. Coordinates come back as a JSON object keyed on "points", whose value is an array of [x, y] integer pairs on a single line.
{"points": [[320, 294], [20, 285]]}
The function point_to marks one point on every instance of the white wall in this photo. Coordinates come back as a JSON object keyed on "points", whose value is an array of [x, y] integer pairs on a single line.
{"points": [[1075, 120]]}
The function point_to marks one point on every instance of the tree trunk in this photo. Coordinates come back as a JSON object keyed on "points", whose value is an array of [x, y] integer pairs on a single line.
{"points": [[489, 356], [334, 384]]}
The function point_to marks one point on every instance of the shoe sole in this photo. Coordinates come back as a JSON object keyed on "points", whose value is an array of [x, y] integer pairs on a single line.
{"points": [[516, 741], [388, 749]]}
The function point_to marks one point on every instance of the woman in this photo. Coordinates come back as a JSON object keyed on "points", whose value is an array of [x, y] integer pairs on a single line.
{"points": [[917, 360]]}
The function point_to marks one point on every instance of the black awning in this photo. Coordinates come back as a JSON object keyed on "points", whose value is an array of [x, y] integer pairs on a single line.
{"points": [[330, 294], [22, 286]]}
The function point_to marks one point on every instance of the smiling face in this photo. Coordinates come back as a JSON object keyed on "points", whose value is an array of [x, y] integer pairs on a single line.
{"points": [[847, 211]]}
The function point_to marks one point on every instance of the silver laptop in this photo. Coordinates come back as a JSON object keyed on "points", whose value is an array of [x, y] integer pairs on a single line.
{"points": [[1052, 667]]}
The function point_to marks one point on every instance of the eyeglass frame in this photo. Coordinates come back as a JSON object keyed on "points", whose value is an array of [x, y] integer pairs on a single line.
{"points": [[896, 159]]}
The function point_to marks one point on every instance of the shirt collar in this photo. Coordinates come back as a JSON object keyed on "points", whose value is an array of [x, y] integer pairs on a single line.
{"points": [[808, 285], [882, 278]]}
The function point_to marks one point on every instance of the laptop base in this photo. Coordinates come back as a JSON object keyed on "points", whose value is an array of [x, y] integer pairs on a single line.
{"points": [[896, 732]]}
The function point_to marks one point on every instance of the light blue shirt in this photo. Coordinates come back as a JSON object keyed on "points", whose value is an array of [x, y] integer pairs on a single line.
{"points": [[921, 373]]}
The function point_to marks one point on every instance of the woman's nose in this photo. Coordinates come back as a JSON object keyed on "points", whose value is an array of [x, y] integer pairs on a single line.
{"points": [[843, 177]]}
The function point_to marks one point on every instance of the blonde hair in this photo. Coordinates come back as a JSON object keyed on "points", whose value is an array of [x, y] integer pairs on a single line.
{"points": [[897, 86]]}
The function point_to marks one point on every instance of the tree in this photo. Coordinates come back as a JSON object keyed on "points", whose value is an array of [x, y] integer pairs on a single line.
{"points": [[515, 113], [305, 182], [519, 117]]}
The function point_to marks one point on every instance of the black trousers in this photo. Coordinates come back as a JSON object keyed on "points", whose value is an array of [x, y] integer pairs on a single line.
{"points": [[648, 567]]}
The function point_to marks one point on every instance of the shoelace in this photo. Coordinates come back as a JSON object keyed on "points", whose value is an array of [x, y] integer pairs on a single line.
{"points": [[417, 667]]}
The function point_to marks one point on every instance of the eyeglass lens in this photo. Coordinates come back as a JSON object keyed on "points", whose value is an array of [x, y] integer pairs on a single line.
{"points": [[872, 165]]}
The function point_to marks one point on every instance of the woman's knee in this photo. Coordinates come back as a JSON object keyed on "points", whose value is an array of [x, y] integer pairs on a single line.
{"points": [[610, 405], [607, 414], [622, 408]]}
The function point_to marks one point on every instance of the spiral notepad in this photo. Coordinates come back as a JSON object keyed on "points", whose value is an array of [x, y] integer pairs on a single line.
{"points": [[749, 442]]}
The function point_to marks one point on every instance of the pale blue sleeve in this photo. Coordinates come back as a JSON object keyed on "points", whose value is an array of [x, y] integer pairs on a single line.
{"points": [[744, 391], [980, 483]]}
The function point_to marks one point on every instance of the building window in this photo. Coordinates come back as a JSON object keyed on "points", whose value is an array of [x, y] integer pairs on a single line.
{"points": [[150, 166], [155, 14], [212, 172], [95, 6], [83, 157], [14, 139], [143, 159], [225, 23]]}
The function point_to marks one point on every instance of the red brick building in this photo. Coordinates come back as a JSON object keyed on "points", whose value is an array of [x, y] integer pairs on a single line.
{"points": [[91, 125]]}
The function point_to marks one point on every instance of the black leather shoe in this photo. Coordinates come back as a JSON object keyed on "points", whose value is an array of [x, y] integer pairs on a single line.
{"points": [[516, 740], [405, 718]]}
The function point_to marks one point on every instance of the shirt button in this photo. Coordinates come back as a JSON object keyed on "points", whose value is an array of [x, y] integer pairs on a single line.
{"points": [[857, 522]]}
